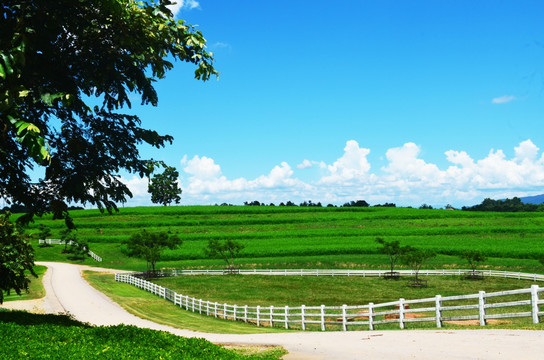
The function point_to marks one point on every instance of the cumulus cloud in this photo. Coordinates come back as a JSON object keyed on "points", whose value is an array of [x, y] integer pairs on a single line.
{"points": [[503, 99], [201, 168], [305, 164], [406, 179], [352, 166]]}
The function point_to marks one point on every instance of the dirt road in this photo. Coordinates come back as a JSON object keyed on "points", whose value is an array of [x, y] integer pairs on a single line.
{"points": [[68, 292]]}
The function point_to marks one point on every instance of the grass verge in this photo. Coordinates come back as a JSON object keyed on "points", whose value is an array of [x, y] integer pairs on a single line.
{"points": [[151, 307]]}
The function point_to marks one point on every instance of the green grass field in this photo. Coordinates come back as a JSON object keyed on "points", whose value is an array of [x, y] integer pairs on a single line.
{"points": [[295, 237]]}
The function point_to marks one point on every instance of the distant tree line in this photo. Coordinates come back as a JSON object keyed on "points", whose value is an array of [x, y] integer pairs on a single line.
{"points": [[509, 205], [310, 203]]}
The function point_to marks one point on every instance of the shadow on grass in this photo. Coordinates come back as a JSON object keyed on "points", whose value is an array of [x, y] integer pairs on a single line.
{"points": [[26, 318]]}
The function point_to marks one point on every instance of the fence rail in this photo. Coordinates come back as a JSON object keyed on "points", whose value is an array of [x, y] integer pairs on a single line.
{"points": [[61, 242], [480, 307], [363, 273]]}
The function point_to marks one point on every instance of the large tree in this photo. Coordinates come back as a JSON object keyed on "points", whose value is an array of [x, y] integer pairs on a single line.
{"points": [[164, 187], [67, 70], [58, 59]]}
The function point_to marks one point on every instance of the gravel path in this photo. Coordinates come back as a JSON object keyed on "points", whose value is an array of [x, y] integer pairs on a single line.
{"points": [[68, 292]]}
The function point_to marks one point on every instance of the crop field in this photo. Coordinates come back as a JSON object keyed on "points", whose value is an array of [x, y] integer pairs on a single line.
{"points": [[303, 237]]}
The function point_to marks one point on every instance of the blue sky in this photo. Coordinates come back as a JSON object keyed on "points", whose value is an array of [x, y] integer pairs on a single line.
{"points": [[411, 102]]}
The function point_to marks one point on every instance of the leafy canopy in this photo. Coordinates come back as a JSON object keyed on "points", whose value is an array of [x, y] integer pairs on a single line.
{"points": [[228, 250], [164, 187], [149, 246], [16, 257], [58, 59], [415, 258], [393, 250], [473, 257]]}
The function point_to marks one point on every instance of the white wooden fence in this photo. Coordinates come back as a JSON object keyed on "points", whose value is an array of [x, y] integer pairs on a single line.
{"points": [[61, 242], [363, 273], [437, 310]]}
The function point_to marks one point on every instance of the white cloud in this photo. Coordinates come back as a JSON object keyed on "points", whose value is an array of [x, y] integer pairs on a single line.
{"points": [[352, 166], [183, 4], [503, 99], [305, 164], [405, 164], [526, 151], [201, 167], [407, 179]]}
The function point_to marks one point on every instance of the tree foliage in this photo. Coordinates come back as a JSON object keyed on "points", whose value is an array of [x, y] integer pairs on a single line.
{"points": [[164, 187], [149, 246], [511, 205], [415, 258], [44, 233], [473, 257], [16, 257], [393, 250], [58, 59], [67, 70], [228, 250]]}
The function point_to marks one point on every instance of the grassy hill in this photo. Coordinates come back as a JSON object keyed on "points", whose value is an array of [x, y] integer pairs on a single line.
{"points": [[309, 237]]}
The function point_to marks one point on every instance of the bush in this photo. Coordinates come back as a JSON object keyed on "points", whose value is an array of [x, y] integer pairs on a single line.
{"points": [[32, 336]]}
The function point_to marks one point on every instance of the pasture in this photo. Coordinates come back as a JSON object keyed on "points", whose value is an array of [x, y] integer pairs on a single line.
{"points": [[303, 237]]}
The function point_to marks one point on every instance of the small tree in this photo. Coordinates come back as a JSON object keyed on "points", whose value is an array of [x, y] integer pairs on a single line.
{"points": [[79, 248], [393, 250], [16, 257], [68, 237], [415, 258], [164, 187], [43, 234], [228, 250], [149, 246], [473, 257]]}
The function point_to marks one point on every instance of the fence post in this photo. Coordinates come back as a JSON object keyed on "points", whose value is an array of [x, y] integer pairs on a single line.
{"points": [[271, 315], [401, 313], [245, 313], [235, 308], [322, 317], [287, 316], [534, 303], [344, 318], [438, 305], [481, 307], [215, 309], [208, 308], [303, 316], [225, 311], [194, 300], [370, 316], [258, 315]]}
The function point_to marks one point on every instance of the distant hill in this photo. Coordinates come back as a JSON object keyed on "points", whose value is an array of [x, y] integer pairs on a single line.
{"points": [[537, 199]]}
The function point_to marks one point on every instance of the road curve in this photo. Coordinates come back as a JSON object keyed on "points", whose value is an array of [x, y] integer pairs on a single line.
{"points": [[67, 291]]}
